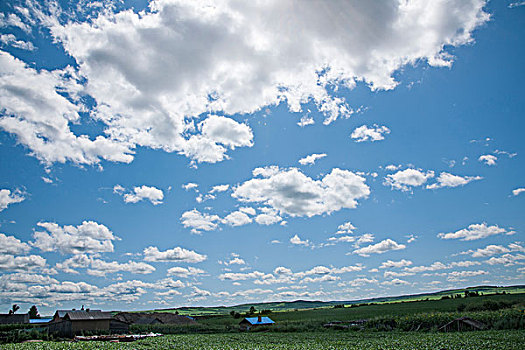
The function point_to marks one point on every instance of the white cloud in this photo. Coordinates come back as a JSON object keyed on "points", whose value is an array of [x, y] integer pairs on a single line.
{"points": [[219, 188], [237, 218], [268, 216], [475, 231], [234, 261], [379, 248], [311, 159], [176, 254], [184, 272], [404, 180], [21, 263], [98, 267], [247, 210], [392, 167], [456, 275], [507, 260], [449, 180], [517, 191], [290, 191], [516, 4], [395, 282], [7, 198], [12, 245], [151, 193], [190, 186], [488, 159], [391, 264], [306, 120], [344, 239], [374, 133], [13, 20], [438, 265], [365, 238], [36, 110], [493, 249], [11, 40], [199, 221], [89, 237], [158, 80], [296, 240], [345, 228]]}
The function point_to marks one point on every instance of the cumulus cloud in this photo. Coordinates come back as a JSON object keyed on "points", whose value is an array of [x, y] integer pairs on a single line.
{"points": [[476, 231], [507, 260], [395, 282], [488, 159], [149, 85], [151, 193], [219, 188], [99, 267], [493, 249], [7, 198], [199, 221], [185, 272], [296, 240], [390, 264], [291, 192], [21, 263], [404, 180], [12, 245], [89, 237], [311, 159], [374, 133], [176, 254], [237, 218], [38, 107], [345, 228], [449, 180], [379, 248], [11, 40]]}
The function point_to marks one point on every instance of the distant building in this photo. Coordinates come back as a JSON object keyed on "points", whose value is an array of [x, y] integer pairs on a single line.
{"points": [[72, 322], [14, 318], [251, 322], [463, 324]]}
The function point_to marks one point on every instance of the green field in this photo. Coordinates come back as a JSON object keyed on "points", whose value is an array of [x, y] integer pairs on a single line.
{"points": [[304, 305], [326, 314], [505, 340]]}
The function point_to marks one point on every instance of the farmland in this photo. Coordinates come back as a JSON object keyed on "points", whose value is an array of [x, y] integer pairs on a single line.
{"points": [[504, 340]]}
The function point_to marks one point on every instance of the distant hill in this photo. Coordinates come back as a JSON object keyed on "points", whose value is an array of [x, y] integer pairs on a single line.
{"points": [[306, 304]]}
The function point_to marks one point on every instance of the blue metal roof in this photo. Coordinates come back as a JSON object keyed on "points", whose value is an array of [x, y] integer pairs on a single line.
{"points": [[255, 320]]}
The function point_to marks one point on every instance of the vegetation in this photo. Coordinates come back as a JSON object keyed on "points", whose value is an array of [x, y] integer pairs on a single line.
{"points": [[14, 309], [497, 340], [33, 312]]}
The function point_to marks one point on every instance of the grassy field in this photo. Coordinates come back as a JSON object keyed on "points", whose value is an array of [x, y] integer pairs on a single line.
{"points": [[327, 314], [304, 305], [494, 340]]}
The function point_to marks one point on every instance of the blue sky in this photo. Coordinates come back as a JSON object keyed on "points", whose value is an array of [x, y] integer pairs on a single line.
{"points": [[180, 153]]}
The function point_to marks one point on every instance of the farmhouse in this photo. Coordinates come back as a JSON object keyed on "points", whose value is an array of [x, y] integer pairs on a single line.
{"points": [[14, 318], [74, 322], [252, 322]]}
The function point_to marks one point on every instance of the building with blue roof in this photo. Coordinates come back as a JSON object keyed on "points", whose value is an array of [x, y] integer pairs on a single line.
{"points": [[251, 322]]}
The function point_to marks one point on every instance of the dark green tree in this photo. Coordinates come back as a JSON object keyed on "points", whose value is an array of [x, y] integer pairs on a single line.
{"points": [[252, 310], [33, 312], [14, 309]]}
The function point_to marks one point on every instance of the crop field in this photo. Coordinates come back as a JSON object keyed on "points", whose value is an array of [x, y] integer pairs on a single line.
{"points": [[504, 340]]}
